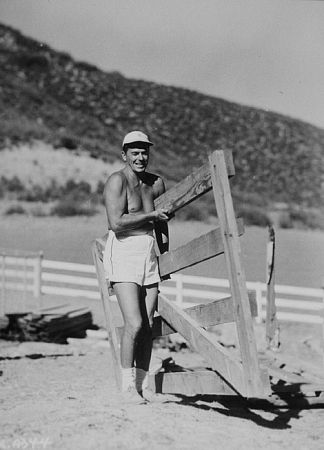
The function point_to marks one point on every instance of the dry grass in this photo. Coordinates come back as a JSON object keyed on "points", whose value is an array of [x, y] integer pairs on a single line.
{"points": [[40, 163]]}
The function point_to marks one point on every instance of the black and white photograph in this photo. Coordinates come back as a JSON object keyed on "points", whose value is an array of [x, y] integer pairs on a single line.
{"points": [[162, 224]]}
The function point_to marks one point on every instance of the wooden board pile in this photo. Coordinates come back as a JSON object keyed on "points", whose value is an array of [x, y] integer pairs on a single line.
{"points": [[54, 324]]}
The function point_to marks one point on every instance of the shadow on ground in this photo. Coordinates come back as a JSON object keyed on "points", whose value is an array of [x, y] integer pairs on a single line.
{"points": [[241, 408]]}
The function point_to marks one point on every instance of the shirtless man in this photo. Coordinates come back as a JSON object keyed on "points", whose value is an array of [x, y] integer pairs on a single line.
{"points": [[130, 261]]}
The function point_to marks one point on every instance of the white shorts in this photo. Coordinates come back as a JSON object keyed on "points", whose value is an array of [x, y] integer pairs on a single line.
{"points": [[131, 259]]}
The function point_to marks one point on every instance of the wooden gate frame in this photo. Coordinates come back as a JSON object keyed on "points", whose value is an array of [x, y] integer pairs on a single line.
{"points": [[227, 374]]}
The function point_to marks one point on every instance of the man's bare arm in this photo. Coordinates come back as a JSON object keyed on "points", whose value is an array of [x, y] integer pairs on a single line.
{"points": [[116, 205]]}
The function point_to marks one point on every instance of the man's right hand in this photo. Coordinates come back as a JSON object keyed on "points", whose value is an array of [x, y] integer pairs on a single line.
{"points": [[161, 214]]}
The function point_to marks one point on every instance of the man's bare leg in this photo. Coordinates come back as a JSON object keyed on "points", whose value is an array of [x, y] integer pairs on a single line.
{"points": [[137, 306], [143, 349], [128, 295]]}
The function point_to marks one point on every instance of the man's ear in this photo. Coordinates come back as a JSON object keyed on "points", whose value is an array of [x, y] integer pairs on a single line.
{"points": [[123, 155]]}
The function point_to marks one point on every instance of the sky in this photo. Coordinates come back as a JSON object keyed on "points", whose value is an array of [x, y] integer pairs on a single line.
{"points": [[268, 54]]}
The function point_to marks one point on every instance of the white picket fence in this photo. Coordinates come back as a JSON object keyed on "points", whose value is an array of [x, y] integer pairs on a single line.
{"points": [[296, 304]]}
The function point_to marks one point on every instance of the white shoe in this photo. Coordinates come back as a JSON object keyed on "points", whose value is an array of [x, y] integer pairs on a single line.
{"points": [[131, 396]]}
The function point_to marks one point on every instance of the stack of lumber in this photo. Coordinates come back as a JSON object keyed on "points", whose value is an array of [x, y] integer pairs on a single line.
{"points": [[54, 324]]}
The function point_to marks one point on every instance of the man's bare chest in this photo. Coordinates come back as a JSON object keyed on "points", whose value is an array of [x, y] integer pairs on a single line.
{"points": [[140, 198]]}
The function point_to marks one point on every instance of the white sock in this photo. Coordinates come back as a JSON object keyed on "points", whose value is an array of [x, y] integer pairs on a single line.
{"points": [[141, 379], [127, 376]]}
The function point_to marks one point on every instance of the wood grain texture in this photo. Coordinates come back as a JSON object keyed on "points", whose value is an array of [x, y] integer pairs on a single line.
{"points": [[108, 311], [199, 249], [101, 244], [232, 252], [219, 311], [191, 187], [272, 326], [190, 383], [207, 315], [204, 343]]}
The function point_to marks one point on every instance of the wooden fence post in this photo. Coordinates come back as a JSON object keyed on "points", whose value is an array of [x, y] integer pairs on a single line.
{"points": [[272, 327], [111, 329], [37, 288], [232, 252]]}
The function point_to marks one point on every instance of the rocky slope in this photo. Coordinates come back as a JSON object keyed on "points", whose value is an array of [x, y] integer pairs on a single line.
{"points": [[48, 96]]}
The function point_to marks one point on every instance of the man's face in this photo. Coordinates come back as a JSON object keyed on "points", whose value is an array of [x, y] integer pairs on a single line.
{"points": [[136, 156]]}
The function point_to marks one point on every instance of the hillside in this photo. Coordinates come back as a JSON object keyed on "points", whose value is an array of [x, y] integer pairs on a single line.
{"points": [[46, 95]]}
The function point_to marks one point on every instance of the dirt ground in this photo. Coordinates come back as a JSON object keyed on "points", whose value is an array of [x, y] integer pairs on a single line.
{"points": [[64, 397]]}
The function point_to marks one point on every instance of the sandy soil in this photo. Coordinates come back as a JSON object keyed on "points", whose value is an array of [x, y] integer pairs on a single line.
{"points": [[67, 399]]}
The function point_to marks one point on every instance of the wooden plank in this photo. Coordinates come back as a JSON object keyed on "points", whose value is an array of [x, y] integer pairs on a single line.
{"points": [[200, 249], [205, 343], [191, 187], [100, 245], [219, 311], [207, 315], [232, 251], [309, 371], [190, 382], [108, 311], [272, 326]]}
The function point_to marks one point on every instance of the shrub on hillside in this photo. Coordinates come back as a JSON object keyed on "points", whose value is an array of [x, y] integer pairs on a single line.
{"points": [[15, 209], [71, 207], [285, 221], [69, 142], [34, 194], [100, 187], [39, 211], [11, 184], [78, 190], [100, 191], [303, 219], [53, 191], [21, 129], [253, 216], [33, 61]]}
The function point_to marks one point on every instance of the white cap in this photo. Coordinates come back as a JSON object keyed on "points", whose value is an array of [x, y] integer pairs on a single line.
{"points": [[136, 136]]}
